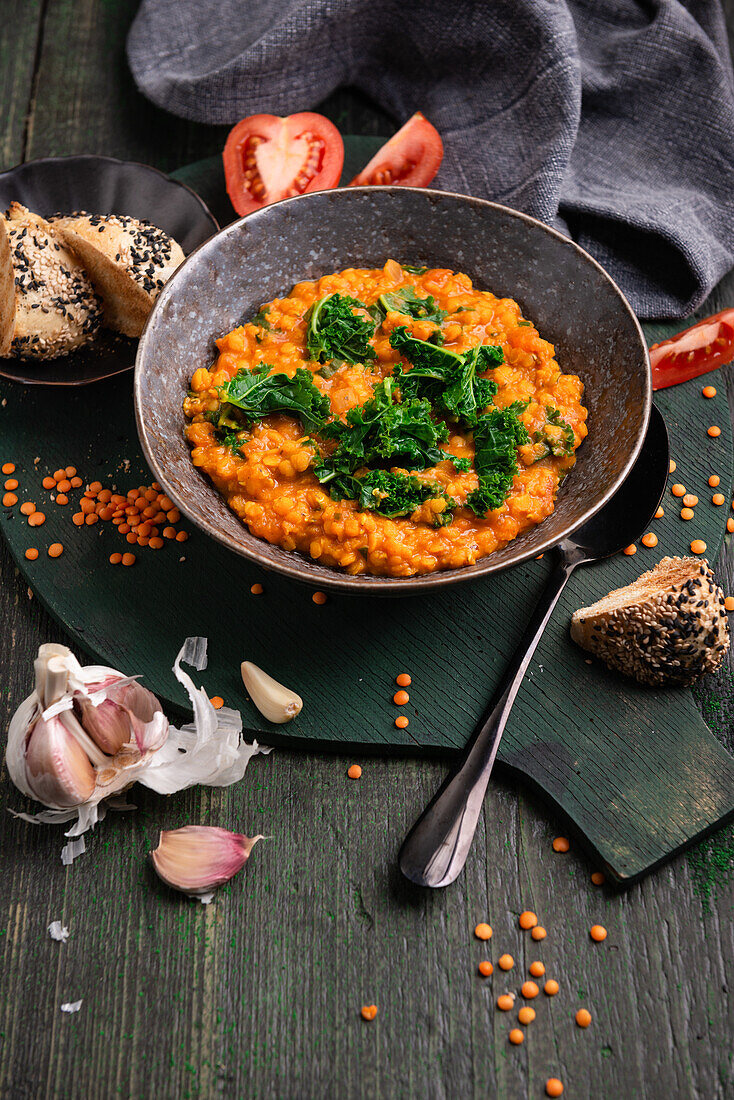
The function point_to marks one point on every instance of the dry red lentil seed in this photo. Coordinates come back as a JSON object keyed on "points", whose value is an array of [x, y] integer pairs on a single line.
{"points": [[690, 500], [583, 1016], [660, 512], [115, 559], [538, 933], [55, 550], [485, 968], [27, 508], [718, 499], [8, 467], [537, 969], [687, 513], [9, 499], [598, 933], [62, 498], [730, 525], [131, 537], [714, 480], [400, 698], [709, 391], [64, 485], [59, 475], [561, 844], [143, 540], [11, 483], [156, 543], [714, 431], [124, 528], [678, 490], [729, 603], [527, 920], [128, 559], [182, 536], [551, 987], [483, 931], [597, 878], [256, 589], [70, 471], [368, 1012], [516, 1036], [505, 1002], [217, 702], [630, 550], [671, 466], [403, 680], [170, 533], [86, 506], [36, 519], [76, 482], [173, 515], [649, 539], [698, 546], [93, 487], [354, 771], [31, 553], [526, 1015], [48, 483], [318, 597], [91, 519], [401, 721], [505, 962], [553, 1087], [529, 990]]}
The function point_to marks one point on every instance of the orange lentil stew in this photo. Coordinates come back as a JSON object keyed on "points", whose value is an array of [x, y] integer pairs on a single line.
{"points": [[392, 421]]}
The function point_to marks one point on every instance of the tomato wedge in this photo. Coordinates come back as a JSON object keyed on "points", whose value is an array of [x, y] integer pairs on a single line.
{"points": [[698, 350], [267, 158], [410, 158]]}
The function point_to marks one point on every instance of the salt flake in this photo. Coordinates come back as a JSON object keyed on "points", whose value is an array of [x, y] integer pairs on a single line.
{"points": [[57, 931]]}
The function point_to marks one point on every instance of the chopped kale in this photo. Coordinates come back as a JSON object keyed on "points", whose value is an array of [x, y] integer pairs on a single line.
{"points": [[407, 301], [386, 493], [497, 436], [555, 437], [256, 393], [336, 333], [412, 270], [524, 324], [261, 319], [447, 380]]}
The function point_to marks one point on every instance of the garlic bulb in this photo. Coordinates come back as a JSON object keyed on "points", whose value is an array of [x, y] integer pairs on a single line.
{"points": [[86, 734], [198, 858], [275, 702]]}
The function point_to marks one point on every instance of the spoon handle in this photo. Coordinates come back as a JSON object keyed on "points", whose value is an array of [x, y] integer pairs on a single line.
{"points": [[436, 848]]}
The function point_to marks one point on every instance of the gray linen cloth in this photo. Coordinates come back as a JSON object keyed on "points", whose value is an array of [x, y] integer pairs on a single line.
{"points": [[611, 119]]}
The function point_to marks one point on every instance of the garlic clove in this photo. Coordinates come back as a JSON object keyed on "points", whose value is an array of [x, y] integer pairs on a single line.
{"points": [[197, 858], [274, 701], [149, 723], [108, 724], [58, 770]]}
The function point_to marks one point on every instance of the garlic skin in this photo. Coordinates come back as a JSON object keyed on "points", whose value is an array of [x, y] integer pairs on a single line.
{"points": [[274, 701], [198, 858]]}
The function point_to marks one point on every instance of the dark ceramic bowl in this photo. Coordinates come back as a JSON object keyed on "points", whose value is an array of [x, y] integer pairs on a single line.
{"points": [[101, 185], [560, 287]]}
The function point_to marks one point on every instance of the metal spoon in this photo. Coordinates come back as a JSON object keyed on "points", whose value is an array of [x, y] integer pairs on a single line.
{"points": [[436, 848]]}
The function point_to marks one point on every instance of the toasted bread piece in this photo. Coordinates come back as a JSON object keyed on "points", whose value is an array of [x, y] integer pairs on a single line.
{"points": [[128, 262], [48, 305], [667, 627]]}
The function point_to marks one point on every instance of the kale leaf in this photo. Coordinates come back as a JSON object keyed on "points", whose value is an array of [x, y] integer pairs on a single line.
{"points": [[407, 301], [334, 332], [556, 436], [447, 380], [497, 436], [389, 494], [413, 270], [256, 393]]}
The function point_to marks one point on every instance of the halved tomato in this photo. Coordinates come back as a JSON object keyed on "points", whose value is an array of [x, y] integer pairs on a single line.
{"points": [[699, 349], [410, 158], [267, 158]]}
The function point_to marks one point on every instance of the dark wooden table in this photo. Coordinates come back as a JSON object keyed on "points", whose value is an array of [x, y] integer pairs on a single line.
{"points": [[258, 995]]}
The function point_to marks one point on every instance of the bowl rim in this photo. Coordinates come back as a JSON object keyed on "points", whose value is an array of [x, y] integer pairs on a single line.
{"points": [[367, 583]]}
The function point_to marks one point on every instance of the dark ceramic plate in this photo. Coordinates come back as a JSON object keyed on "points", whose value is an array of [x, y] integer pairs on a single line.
{"points": [[560, 287], [101, 185]]}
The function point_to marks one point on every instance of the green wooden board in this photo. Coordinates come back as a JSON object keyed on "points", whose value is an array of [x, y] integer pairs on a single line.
{"points": [[637, 770]]}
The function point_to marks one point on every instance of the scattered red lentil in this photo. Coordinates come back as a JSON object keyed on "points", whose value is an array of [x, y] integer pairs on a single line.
{"points": [[713, 431], [115, 559], [671, 466], [11, 483], [217, 702], [583, 1017], [48, 483], [630, 550], [354, 771], [400, 698], [31, 553], [8, 467], [678, 490], [256, 589], [401, 721], [551, 987], [128, 559], [505, 962], [55, 550], [537, 969], [91, 519], [714, 480], [529, 990], [730, 525], [553, 1087], [690, 500], [597, 878], [368, 1012], [483, 931], [76, 482], [709, 391], [403, 680], [36, 519], [62, 498], [660, 512], [561, 844], [505, 1002], [686, 513], [485, 968], [9, 500], [538, 933], [170, 533], [649, 539], [516, 1036], [527, 920], [156, 543], [94, 487], [718, 499], [526, 1015], [318, 597], [27, 508], [698, 546], [729, 603], [597, 933]]}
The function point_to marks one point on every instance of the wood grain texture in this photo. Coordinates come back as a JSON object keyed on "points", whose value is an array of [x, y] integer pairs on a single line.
{"points": [[258, 995]]}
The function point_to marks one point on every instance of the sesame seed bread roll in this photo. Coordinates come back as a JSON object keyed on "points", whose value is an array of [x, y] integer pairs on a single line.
{"points": [[128, 262], [47, 304], [669, 627]]}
